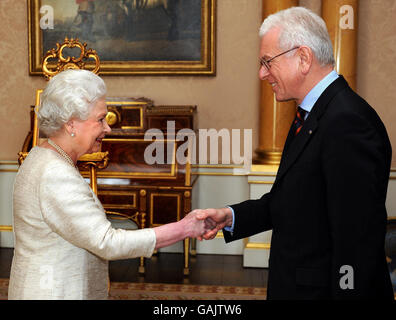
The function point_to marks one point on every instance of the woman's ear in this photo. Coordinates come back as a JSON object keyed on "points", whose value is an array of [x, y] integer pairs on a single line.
{"points": [[306, 59], [69, 127]]}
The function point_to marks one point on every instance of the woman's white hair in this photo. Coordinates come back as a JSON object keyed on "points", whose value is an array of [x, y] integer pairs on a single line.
{"points": [[70, 94], [300, 26]]}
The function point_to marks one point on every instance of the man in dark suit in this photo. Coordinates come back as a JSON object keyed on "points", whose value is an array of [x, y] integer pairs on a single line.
{"points": [[327, 205]]}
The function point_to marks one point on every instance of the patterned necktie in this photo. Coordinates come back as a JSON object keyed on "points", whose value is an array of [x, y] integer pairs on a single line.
{"points": [[299, 120]]}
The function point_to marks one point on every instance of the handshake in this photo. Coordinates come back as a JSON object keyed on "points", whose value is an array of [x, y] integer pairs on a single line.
{"points": [[199, 223], [205, 223]]}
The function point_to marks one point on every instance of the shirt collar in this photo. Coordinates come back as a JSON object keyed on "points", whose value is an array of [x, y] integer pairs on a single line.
{"points": [[313, 95]]}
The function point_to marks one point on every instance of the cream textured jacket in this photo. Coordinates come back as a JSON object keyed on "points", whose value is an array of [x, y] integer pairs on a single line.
{"points": [[63, 240]]}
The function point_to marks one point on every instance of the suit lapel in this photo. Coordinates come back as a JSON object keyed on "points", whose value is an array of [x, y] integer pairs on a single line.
{"points": [[295, 145], [289, 138]]}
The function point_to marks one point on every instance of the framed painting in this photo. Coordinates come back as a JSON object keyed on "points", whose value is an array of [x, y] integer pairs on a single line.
{"points": [[131, 37]]}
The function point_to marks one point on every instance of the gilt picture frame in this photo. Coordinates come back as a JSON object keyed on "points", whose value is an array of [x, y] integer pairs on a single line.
{"points": [[131, 37]]}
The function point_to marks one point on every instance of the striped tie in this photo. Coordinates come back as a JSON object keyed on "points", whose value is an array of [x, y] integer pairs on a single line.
{"points": [[299, 120]]}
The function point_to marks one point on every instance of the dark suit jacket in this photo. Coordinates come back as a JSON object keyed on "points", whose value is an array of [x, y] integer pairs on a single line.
{"points": [[327, 205]]}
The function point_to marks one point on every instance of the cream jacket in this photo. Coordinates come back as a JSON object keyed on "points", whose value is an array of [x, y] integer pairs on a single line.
{"points": [[63, 240]]}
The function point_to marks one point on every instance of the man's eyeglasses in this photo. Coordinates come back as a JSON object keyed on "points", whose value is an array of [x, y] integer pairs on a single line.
{"points": [[266, 63]]}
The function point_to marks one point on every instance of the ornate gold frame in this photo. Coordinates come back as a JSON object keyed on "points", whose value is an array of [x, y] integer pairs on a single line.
{"points": [[206, 66], [156, 194], [69, 62], [171, 174]]}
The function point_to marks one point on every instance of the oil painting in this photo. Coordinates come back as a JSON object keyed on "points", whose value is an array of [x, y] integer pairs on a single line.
{"points": [[153, 37]]}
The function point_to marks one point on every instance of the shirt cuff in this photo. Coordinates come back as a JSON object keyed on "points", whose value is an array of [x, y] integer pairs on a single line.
{"points": [[231, 229]]}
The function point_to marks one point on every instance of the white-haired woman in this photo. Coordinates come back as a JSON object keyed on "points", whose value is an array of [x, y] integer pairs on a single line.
{"points": [[63, 240]]}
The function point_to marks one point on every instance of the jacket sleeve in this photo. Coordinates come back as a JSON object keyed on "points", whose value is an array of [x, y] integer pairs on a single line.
{"points": [[251, 217], [356, 165], [71, 210]]}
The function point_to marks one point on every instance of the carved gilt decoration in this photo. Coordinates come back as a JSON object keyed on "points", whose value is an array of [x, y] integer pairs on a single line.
{"points": [[69, 62]]}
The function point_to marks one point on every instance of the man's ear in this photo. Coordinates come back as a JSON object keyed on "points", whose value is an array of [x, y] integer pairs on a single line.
{"points": [[306, 59]]}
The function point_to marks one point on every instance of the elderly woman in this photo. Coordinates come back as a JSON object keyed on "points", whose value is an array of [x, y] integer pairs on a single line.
{"points": [[63, 240]]}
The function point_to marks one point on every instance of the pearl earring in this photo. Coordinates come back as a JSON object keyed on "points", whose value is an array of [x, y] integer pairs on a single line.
{"points": [[73, 134]]}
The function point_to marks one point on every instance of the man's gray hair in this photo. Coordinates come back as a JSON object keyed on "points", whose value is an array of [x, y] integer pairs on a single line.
{"points": [[300, 26], [69, 94]]}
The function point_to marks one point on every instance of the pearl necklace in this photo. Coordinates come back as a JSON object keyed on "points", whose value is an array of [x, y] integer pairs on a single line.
{"points": [[62, 152]]}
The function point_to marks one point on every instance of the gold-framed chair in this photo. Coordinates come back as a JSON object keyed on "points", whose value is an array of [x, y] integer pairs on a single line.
{"points": [[88, 162]]}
